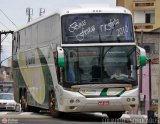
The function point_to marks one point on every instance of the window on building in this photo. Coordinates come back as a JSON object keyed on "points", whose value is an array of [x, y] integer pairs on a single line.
{"points": [[148, 18]]}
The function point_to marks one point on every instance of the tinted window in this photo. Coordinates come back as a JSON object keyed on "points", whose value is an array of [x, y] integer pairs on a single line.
{"points": [[98, 65], [95, 28]]}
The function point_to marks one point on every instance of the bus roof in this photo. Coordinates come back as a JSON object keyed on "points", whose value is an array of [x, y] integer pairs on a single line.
{"points": [[80, 9]]}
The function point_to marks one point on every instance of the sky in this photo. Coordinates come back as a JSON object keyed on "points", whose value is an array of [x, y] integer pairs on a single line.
{"points": [[15, 10]]}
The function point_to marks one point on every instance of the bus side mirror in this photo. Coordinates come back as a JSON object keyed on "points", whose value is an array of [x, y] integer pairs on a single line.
{"points": [[60, 56], [142, 60], [142, 56]]}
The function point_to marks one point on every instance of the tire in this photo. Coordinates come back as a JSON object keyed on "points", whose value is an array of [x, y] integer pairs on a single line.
{"points": [[114, 114], [52, 110], [52, 103]]}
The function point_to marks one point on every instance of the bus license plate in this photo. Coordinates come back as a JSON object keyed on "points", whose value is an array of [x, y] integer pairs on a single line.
{"points": [[104, 103]]}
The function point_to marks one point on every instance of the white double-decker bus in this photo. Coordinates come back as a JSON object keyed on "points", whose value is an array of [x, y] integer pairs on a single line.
{"points": [[71, 60]]}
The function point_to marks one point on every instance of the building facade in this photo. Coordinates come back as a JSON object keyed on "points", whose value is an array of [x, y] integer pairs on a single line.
{"points": [[145, 14], [146, 20]]}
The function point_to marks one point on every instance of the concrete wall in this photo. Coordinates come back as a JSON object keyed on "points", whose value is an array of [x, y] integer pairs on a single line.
{"points": [[154, 80], [145, 86], [154, 83], [149, 38], [154, 39], [158, 80]]}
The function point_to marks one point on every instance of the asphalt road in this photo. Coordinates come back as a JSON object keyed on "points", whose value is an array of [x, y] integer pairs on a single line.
{"points": [[72, 118]]}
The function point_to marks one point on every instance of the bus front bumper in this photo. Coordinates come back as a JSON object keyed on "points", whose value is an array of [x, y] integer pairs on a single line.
{"points": [[99, 104]]}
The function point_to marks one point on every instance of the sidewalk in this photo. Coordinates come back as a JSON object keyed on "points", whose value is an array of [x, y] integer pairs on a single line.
{"points": [[142, 119], [134, 116], [125, 116]]}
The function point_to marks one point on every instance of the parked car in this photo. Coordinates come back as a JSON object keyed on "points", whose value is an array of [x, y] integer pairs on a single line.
{"points": [[7, 102]]}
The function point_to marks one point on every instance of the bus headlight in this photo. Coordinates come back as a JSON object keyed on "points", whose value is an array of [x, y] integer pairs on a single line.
{"points": [[72, 101], [77, 101], [133, 99], [128, 99]]}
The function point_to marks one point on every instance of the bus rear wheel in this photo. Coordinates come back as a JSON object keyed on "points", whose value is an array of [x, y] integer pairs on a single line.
{"points": [[114, 114]]}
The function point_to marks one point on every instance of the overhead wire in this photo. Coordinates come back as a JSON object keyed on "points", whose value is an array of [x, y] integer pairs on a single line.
{"points": [[4, 38], [8, 18], [6, 34], [4, 25]]}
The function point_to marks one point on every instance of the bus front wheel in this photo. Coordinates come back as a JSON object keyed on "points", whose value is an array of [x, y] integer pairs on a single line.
{"points": [[52, 103], [114, 114]]}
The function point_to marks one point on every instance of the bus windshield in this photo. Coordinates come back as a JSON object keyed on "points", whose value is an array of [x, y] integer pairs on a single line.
{"points": [[95, 28], [100, 65]]}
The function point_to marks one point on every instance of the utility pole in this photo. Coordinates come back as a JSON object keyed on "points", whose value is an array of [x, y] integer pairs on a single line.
{"points": [[3, 32], [141, 95], [29, 13], [150, 85]]}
